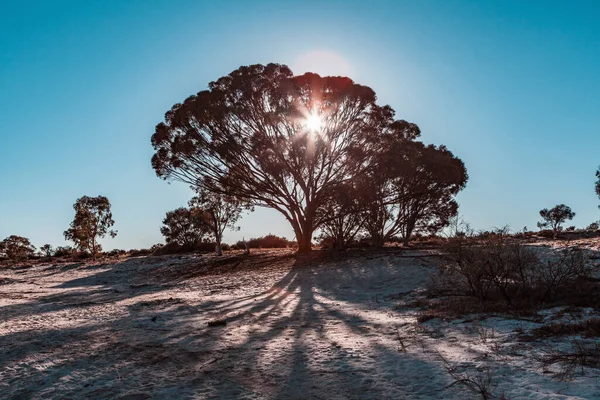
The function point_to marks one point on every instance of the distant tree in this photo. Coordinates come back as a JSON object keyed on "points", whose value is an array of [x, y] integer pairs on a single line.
{"points": [[183, 227], [93, 220], [273, 139], [46, 250], [17, 248], [594, 226], [553, 218], [218, 213]]}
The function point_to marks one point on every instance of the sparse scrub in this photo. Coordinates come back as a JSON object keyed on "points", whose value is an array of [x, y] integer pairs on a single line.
{"points": [[481, 384], [587, 328], [581, 355], [62, 251], [269, 241], [495, 268]]}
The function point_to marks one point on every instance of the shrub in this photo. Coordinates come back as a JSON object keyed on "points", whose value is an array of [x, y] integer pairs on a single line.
{"points": [[265, 242], [17, 248], [499, 267], [62, 251]]}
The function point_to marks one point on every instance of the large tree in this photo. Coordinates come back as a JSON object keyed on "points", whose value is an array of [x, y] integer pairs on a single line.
{"points": [[553, 218], [93, 220], [16, 247], [218, 213], [273, 139]]}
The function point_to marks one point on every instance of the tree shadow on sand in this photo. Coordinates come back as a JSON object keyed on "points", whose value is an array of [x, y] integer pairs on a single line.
{"points": [[315, 333]]}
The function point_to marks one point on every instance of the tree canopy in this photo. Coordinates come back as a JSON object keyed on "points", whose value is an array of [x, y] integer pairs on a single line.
{"points": [[184, 227], [16, 247], [269, 138]]}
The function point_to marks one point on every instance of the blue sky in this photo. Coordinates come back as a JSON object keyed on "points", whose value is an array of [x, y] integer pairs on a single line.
{"points": [[512, 88]]}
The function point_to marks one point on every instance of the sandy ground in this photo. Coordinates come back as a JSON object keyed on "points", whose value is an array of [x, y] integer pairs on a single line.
{"points": [[296, 329]]}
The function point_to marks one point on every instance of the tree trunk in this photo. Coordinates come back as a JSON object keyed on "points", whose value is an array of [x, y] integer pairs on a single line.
{"points": [[407, 236], [218, 250], [304, 242], [377, 241]]}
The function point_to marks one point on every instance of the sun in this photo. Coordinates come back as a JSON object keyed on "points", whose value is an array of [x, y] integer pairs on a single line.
{"points": [[313, 123]]}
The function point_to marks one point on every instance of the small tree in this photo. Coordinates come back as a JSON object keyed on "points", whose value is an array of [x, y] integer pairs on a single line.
{"points": [[46, 250], [555, 217], [184, 227], [16, 248], [218, 212], [594, 226], [93, 220]]}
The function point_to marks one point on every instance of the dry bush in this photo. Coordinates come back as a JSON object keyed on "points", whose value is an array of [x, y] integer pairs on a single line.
{"points": [[587, 328], [582, 355], [269, 241], [496, 267], [481, 384]]}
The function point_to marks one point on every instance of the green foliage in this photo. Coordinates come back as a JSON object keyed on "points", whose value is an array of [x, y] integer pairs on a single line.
{"points": [[93, 220], [17, 248]]}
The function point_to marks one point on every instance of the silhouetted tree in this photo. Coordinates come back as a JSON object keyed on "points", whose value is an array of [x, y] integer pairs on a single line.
{"points": [[598, 183], [184, 227], [253, 136], [16, 247], [554, 217], [412, 190], [46, 250], [594, 226], [426, 190], [218, 212], [342, 216], [93, 220]]}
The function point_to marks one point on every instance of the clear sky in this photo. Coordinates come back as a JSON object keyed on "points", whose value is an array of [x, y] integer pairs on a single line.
{"points": [[512, 88]]}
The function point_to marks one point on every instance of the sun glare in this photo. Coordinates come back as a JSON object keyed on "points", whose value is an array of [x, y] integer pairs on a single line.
{"points": [[313, 123]]}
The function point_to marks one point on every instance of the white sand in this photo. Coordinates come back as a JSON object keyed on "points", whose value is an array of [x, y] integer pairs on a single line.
{"points": [[132, 330]]}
